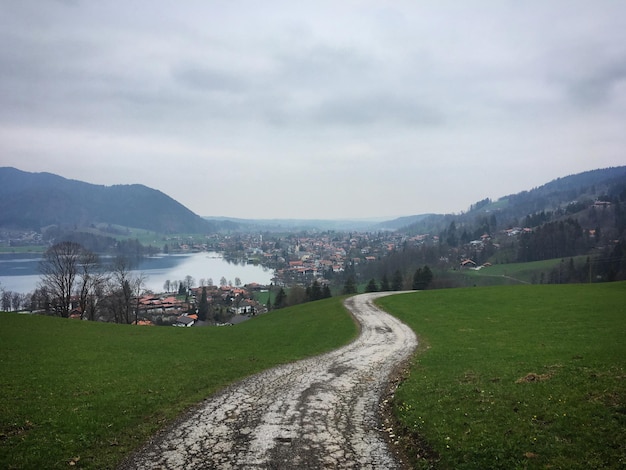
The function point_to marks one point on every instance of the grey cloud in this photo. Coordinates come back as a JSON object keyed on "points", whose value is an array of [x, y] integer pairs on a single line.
{"points": [[208, 79], [378, 108], [596, 86]]}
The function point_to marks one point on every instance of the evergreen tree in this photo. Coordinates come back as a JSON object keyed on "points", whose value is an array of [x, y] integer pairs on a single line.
{"points": [[326, 294], [384, 284], [281, 299], [203, 306], [349, 287], [371, 286], [417, 279], [422, 278], [314, 292], [397, 281], [427, 276]]}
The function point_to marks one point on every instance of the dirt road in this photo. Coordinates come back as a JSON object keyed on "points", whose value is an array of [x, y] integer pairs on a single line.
{"points": [[312, 414]]}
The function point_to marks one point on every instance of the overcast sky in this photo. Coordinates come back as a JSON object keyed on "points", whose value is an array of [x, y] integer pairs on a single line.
{"points": [[321, 109]]}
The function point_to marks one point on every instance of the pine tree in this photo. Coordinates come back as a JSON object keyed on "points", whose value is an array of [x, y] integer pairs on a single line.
{"points": [[281, 299], [371, 286], [315, 291], [349, 287], [326, 294], [397, 281], [384, 284], [417, 279], [203, 306]]}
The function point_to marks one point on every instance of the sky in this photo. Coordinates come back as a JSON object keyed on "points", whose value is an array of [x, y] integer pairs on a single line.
{"points": [[314, 109]]}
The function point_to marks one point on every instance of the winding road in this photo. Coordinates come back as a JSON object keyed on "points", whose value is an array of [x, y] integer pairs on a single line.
{"points": [[312, 414]]}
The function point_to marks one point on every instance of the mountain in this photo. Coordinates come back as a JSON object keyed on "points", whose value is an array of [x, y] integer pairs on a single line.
{"points": [[562, 196], [35, 200]]}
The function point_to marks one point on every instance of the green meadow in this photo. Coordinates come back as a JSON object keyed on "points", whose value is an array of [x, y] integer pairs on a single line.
{"points": [[515, 377], [85, 394], [528, 376]]}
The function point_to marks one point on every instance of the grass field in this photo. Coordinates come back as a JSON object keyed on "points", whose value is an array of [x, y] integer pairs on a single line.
{"points": [[516, 377], [84, 394], [504, 377], [511, 273]]}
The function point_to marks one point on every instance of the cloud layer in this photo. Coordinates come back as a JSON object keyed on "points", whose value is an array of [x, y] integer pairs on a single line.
{"points": [[314, 109]]}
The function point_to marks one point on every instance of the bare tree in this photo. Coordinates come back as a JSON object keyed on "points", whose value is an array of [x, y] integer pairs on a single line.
{"points": [[120, 290], [40, 300], [138, 284], [59, 269], [189, 282], [90, 282], [16, 301], [6, 300], [167, 285]]}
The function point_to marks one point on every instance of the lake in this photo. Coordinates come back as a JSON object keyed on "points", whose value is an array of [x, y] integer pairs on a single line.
{"points": [[19, 272]]}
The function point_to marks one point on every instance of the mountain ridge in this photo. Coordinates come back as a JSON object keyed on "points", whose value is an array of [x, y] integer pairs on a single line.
{"points": [[36, 200]]}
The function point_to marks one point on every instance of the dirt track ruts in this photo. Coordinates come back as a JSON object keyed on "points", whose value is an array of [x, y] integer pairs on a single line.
{"points": [[316, 413]]}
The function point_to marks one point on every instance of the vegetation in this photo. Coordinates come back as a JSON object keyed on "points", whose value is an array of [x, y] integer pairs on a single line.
{"points": [[515, 377], [507, 377], [37, 200], [88, 393]]}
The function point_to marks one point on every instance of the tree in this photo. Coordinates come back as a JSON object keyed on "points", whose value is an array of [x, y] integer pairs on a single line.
{"points": [[189, 282], [137, 284], [59, 269], [371, 286], [91, 279], [237, 282], [281, 299], [297, 295], [203, 306], [167, 285], [314, 292], [17, 300], [223, 281], [397, 282], [123, 287], [384, 284], [349, 287], [422, 278], [6, 300], [326, 294]]}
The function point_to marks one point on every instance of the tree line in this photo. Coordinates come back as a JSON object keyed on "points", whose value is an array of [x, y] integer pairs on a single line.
{"points": [[73, 279]]}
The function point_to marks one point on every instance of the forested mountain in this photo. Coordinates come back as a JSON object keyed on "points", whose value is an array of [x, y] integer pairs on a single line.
{"points": [[581, 215], [567, 195], [30, 201]]}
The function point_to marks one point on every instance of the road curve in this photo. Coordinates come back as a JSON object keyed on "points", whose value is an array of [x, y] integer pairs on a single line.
{"points": [[315, 413]]}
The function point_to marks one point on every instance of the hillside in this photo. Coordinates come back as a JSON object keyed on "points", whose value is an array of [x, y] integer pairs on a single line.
{"points": [[30, 201], [565, 195]]}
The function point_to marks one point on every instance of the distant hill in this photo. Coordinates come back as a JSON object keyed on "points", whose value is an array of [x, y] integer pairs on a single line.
{"points": [[30, 201], [296, 225], [560, 195]]}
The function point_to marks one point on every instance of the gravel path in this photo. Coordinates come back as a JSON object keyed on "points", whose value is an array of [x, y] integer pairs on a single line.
{"points": [[316, 413]]}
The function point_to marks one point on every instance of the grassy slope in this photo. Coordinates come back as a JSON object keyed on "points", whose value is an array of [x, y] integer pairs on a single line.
{"points": [[510, 273], [464, 399], [88, 393]]}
